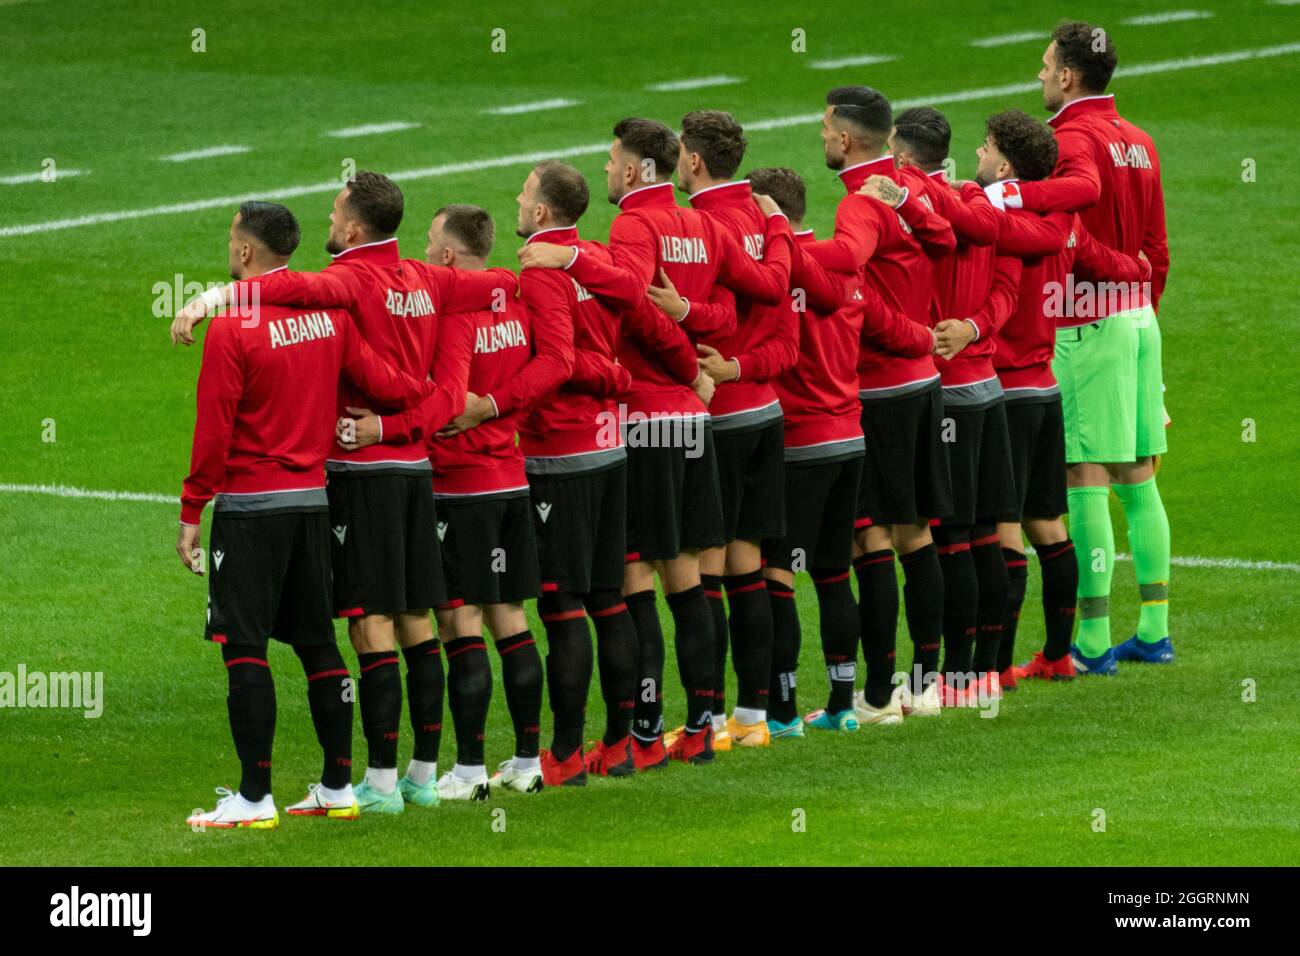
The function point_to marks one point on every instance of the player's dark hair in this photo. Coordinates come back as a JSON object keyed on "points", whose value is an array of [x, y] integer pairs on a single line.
{"points": [[926, 132], [271, 224], [1088, 51], [1030, 146], [785, 186], [718, 138], [652, 140], [563, 190], [471, 226], [377, 202], [866, 109]]}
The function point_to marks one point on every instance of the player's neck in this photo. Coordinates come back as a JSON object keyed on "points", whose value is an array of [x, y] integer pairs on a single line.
{"points": [[255, 269], [706, 182], [859, 156]]}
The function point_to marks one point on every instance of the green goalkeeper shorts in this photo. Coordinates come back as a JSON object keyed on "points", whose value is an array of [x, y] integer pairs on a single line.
{"points": [[1110, 379]]}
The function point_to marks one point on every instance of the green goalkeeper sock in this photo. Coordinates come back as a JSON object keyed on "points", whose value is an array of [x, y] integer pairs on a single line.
{"points": [[1094, 547], [1148, 537]]}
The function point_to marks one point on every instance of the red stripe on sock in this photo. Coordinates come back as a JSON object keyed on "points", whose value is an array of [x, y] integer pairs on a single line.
{"points": [[549, 587], [247, 660], [954, 548], [836, 578], [632, 556], [862, 523], [713, 594], [1018, 564], [380, 663], [334, 673], [862, 562], [747, 588], [564, 616], [219, 639], [618, 608], [351, 612], [468, 647], [451, 605], [987, 539], [514, 647]]}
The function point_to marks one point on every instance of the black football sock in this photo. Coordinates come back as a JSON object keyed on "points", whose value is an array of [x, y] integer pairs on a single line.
{"points": [[469, 691], [521, 675], [330, 701], [381, 706], [961, 594], [1060, 569], [991, 572], [751, 639], [648, 711], [839, 627], [250, 702], [923, 588], [878, 619], [568, 668], [693, 637], [1017, 577], [786, 638], [425, 686], [618, 659], [712, 584]]}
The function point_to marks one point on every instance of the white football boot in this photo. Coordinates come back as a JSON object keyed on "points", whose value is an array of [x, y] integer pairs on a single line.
{"points": [[925, 704], [341, 805], [891, 713], [510, 777], [234, 811], [452, 787]]}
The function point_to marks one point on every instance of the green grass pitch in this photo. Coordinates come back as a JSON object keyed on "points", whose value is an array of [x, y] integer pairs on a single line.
{"points": [[1185, 770]]}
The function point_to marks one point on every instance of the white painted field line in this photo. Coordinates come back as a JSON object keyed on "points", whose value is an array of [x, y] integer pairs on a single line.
{"points": [[555, 104], [698, 83], [867, 59], [1231, 564], [519, 159], [1007, 38], [1173, 16], [36, 177], [370, 129], [228, 149], [67, 491]]}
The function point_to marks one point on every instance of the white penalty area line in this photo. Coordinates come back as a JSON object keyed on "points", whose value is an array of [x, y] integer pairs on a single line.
{"points": [[229, 149], [68, 491], [534, 107], [37, 177], [518, 159]]}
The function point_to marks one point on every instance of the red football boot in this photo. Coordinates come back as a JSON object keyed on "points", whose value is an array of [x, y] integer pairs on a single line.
{"points": [[693, 748], [1007, 678], [649, 756], [568, 773], [611, 760], [986, 687], [1043, 669]]}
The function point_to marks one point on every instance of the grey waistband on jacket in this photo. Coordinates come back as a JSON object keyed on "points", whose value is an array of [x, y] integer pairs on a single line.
{"points": [[575, 464], [308, 499]]}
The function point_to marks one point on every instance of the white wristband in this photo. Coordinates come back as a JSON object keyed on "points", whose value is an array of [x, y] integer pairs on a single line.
{"points": [[215, 297]]}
